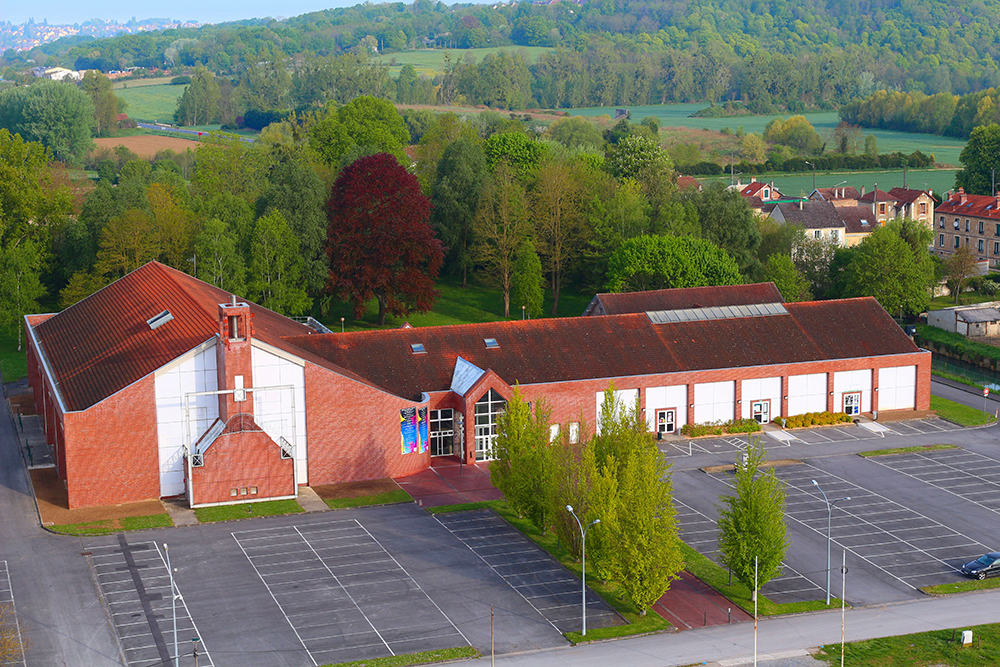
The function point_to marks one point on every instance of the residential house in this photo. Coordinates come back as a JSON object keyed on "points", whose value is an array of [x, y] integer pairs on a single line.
{"points": [[883, 204], [838, 196], [820, 219], [859, 222], [914, 204], [970, 221]]}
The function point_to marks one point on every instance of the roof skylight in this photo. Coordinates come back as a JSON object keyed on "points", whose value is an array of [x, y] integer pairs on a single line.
{"points": [[417, 348], [491, 342], [159, 319]]}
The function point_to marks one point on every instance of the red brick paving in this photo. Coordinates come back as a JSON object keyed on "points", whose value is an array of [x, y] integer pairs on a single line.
{"points": [[691, 603], [447, 482]]}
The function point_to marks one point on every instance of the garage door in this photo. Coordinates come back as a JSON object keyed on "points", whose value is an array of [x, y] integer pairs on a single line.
{"points": [[713, 402], [806, 393], [897, 388]]}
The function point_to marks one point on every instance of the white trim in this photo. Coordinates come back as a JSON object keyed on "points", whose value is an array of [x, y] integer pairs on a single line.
{"points": [[245, 502], [287, 356], [40, 351]]}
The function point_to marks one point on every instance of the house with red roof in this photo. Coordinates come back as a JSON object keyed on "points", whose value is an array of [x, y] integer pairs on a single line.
{"points": [[162, 385], [970, 221]]}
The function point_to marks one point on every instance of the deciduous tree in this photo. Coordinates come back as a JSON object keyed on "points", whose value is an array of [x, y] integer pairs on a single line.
{"points": [[199, 105], [980, 160], [219, 261], [276, 267], [520, 468], [460, 176], [106, 104], [526, 284], [886, 267], [781, 270], [500, 227], [958, 268], [752, 521], [556, 211], [380, 242], [661, 262], [127, 242], [20, 286], [56, 114]]}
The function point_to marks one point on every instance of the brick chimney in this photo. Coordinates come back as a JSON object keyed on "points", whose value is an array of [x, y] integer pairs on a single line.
{"points": [[233, 358], [962, 197], [862, 191]]}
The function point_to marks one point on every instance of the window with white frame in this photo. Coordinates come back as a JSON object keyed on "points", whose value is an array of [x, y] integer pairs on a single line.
{"points": [[818, 234], [941, 240], [553, 432], [441, 431], [487, 410], [574, 432]]}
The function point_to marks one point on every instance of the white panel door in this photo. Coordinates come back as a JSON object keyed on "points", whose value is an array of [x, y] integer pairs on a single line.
{"points": [[760, 389], [282, 412], [197, 373], [897, 388], [851, 382], [627, 399], [806, 393], [666, 398], [714, 402]]}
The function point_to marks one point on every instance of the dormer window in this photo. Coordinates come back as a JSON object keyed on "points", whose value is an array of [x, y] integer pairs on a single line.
{"points": [[491, 342], [767, 194]]}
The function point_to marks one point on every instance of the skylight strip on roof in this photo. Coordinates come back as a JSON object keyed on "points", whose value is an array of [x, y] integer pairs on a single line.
{"points": [[715, 313]]}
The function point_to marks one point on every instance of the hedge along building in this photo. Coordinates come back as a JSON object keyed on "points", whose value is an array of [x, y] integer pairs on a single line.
{"points": [[162, 385]]}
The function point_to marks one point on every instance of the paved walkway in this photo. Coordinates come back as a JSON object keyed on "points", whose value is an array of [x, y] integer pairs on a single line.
{"points": [[447, 482], [691, 603]]}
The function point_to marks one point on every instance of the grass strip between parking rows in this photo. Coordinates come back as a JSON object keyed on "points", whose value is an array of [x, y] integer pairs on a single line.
{"points": [[962, 415], [905, 450], [459, 653], [386, 498], [938, 647], [111, 526], [718, 578], [248, 510], [962, 586], [609, 591]]}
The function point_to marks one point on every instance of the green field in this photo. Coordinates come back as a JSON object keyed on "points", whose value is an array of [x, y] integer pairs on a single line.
{"points": [[799, 183], [430, 62], [151, 102], [945, 149]]}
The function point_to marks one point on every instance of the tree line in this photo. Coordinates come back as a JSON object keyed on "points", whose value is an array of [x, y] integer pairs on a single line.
{"points": [[943, 113]]}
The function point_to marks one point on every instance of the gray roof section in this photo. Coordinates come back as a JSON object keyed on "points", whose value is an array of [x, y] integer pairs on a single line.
{"points": [[979, 315], [812, 215], [715, 313], [466, 374]]}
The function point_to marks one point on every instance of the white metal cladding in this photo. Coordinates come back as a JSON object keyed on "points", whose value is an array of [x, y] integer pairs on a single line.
{"points": [[851, 381], [761, 389], [659, 398], [627, 399], [715, 313], [197, 372], [714, 401], [897, 388], [273, 409], [806, 393]]}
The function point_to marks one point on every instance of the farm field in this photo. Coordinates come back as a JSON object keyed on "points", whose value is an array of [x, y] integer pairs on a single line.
{"points": [[430, 62], [148, 145], [945, 149], [151, 102], [800, 183]]}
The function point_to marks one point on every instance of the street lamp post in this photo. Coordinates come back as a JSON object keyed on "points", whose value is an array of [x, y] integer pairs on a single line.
{"points": [[173, 601], [583, 537], [813, 165], [829, 516]]}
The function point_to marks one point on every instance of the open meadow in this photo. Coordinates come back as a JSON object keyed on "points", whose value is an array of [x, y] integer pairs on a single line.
{"points": [[151, 102], [801, 183], [430, 62]]}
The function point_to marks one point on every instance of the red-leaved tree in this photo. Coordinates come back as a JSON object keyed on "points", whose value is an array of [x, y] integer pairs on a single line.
{"points": [[380, 240]]}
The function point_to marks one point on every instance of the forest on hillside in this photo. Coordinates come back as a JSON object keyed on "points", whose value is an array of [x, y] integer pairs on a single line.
{"points": [[769, 54]]}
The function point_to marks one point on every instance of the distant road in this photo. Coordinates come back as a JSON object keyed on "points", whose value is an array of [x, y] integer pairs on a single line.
{"points": [[179, 130]]}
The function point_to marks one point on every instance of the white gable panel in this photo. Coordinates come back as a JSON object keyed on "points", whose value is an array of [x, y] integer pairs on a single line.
{"points": [[760, 389], [852, 381], [281, 412]]}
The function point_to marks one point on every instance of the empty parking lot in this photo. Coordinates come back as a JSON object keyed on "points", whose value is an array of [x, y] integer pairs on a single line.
{"points": [[962, 473]]}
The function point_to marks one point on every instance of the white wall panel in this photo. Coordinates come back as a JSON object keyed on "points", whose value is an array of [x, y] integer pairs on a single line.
{"points": [[714, 402], [897, 388], [760, 389], [196, 373], [848, 381], [659, 398], [273, 409], [626, 399], [806, 393]]}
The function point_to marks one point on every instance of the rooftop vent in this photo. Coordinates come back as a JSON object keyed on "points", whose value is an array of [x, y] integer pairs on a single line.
{"points": [[159, 319], [491, 342], [417, 348]]}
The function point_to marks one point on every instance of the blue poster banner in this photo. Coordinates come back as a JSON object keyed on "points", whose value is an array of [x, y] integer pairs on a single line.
{"points": [[424, 435], [408, 430]]}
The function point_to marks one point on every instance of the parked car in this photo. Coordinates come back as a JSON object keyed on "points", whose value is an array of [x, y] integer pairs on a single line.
{"points": [[984, 566]]}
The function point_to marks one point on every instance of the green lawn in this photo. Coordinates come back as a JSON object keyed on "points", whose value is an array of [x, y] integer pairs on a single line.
{"points": [[800, 183], [924, 649], [430, 62], [13, 363], [247, 510], [151, 102], [960, 414], [387, 498], [446, 655], [962, 586], [945, 149], [905, 450], [109, 527]]}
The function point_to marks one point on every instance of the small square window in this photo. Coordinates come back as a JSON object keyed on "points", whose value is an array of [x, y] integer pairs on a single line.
{"points": [[417, 348], [491, 342], [243, 491], [234, 492], [253, 490]]}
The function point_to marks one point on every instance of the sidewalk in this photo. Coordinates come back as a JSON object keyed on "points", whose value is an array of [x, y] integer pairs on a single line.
{"points": [[448, 482]]}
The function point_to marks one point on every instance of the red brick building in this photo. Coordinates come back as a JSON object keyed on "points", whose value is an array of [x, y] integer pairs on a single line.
{"points": [[162, 385]]}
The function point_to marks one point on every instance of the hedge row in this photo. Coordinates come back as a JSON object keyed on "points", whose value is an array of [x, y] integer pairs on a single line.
{"points": [[814, 419], [718, 428], [958, 346]]}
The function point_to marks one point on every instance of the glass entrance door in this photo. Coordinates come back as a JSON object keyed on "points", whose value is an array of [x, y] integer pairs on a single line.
{"points": [[761, 411], [666, 421], [852, 403]]}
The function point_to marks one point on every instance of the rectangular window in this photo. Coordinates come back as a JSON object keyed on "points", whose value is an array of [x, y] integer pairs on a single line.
{"points": [[923, 208], [958, 241], [942, 222], [834, 235], [818, 234], [441, 432], [996, 247], [980, 245], [881, 209], [553, 432], [941, 240], [574, 432], [967, 227], [997, 233], [981, 224]]}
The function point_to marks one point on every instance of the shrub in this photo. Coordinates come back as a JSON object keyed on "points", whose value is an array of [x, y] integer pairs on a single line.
{"points": [[742, 426], [695, 430], [816, 419]]}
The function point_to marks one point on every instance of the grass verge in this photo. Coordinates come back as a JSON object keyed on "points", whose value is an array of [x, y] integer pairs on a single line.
{"points": [[466, 507], [413, 658], [963, 586], [111, 526], [938, 647], [905, 450], [961, 379], [718, 578], [960, 414], [13, 364], [386, 498], [247, 510]]}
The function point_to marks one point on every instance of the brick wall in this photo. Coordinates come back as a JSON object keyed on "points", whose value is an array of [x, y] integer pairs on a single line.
{"points": [[242, 461], [354, 430], [112, 456]]}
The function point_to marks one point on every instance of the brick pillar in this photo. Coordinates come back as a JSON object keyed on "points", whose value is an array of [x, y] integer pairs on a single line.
{"points": [[738, 398], [874, 390], [234, 365], [689, 403], [784, 396], [830, 398]]}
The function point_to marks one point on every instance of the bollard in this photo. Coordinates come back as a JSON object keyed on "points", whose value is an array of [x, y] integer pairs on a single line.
{"points": [[730, 612]]}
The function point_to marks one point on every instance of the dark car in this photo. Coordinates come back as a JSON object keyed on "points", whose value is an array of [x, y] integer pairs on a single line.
{"points": [[984, 566]]}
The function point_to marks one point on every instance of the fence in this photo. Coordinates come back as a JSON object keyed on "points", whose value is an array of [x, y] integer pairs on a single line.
{"points": [[979, 377]]}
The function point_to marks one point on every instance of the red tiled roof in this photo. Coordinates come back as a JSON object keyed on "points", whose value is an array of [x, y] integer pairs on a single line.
{"points": [[103, 344], [688, 297], [979, 206], [906, 195], [837, 194], [876, 195], [567, 349], [685, 182]]}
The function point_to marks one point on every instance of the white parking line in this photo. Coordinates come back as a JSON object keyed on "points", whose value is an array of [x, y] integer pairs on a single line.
{"points": [[949, 467]]}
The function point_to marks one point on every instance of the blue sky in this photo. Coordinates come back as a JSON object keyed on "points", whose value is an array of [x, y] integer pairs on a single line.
{"points": [[66, 11]]}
